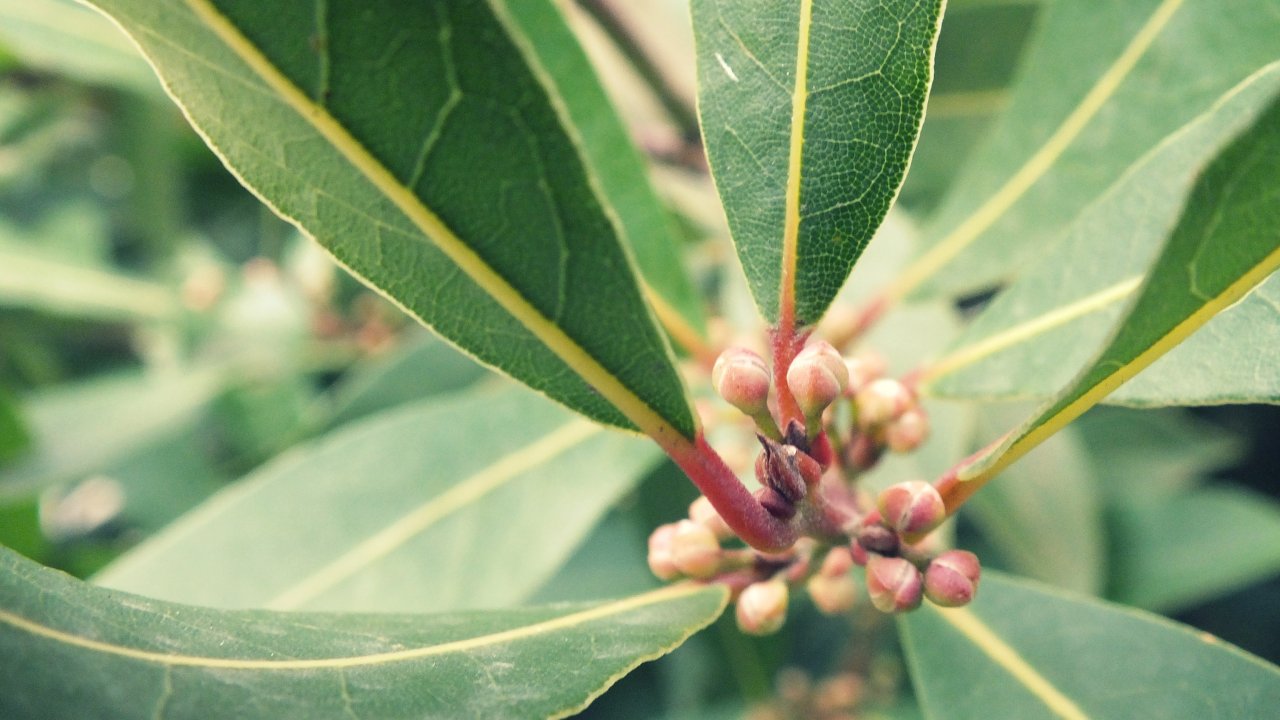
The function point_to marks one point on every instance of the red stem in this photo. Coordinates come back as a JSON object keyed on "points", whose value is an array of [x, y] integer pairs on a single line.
{"points": [[785, 344]]}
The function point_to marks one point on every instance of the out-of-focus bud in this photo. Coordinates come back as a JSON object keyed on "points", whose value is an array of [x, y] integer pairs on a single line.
{"points": [[741, 377], [762, 607], [951, 579], [833, 595], [661, 561], [862, 452], [912, 508], [908, 431], [838, 562], [881, 401], [702, 512], [817, 376], [858, 553], [695, 549], [864, 368], [894, 584]]}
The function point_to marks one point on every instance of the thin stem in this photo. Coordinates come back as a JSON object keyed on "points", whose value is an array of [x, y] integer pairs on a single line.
{"points": [[785, 345]]}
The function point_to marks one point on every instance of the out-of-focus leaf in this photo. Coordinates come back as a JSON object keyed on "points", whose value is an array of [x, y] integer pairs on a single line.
{"points": [[66, 37], [14, 437], [1027, 652], [67, 648], [35, 279], [1043, 329], [1103, 83], [81, 428], [1226, 242], [1044, 514], [453, 183], [472, 502], [1172, 552], [422, 367], [810, 112]]}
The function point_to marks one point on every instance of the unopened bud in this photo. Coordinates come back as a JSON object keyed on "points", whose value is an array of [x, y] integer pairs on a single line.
{"points": [[741, 377], [951, 579], [817, 377], [894, 584], [863, 369], [908, 432], [837, 562], [661, 560], [912, 508], [702, 512], [862, 452], [833, 595], [881, 401], [695, 549], [762, 607]]}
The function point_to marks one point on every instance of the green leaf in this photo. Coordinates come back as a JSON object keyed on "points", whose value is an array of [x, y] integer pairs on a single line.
{"points": [[1225, 243], [14, 436], [1103, 84], [614, 163], [470, 502], [1044, 515], [810, 112], [454, 183], [1026, 652], [67, 648], [1043, 329], [65, 37], [1173, 552], [31, 277]]}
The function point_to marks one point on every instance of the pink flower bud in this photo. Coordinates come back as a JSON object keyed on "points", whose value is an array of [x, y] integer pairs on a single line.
{"points": [[741, 377], [880, 402], [894, 584], [864, 368], [858, 553], [661, 560], [838, 562], [908, 431], [951, 579], [833, 595], [817, 377], [702, 512], [912, 508], [762, 607], [695, 549]]}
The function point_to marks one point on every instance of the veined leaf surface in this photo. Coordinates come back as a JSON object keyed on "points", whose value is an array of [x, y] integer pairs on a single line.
{"points": [[471, 503], [68, 648], [1027, 652], [1226, 242], [1102, 84], [424, 145], [1043, 329], [810, 111]]}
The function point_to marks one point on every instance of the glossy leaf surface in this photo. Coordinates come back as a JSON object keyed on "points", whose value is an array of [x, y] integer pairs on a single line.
{"points": [[67, 648], [426, 148], [1024, 651], [810, 111], [1102, 84], [471, 502], [1042, 330]]}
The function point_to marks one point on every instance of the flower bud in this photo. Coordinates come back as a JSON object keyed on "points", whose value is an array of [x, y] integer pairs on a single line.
{"points": [[908, 431], [741, 377], [894, 584], [661, 561], [876, 538], [762, 607], [912, 508], [951, 579], [833, 595], [838, 562], [864, 368], [858, 553], [880, 402], [817, 377], [695, 549], [702, 512]]}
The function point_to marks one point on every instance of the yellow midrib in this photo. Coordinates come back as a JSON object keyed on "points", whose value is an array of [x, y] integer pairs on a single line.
{"points": [[564, 622], [1002, 654], [983, 469], [972, 227], [791, 214], [566, 348]]}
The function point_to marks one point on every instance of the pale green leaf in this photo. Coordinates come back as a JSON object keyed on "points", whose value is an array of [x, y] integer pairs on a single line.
{"points": [[470, 502], [1027, 652], [1103, 83], [1225, 243], [33, 278], [68, 649], [810, 111], [1176, 551], [428, 149], [1043, 329], [14, 436]]}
